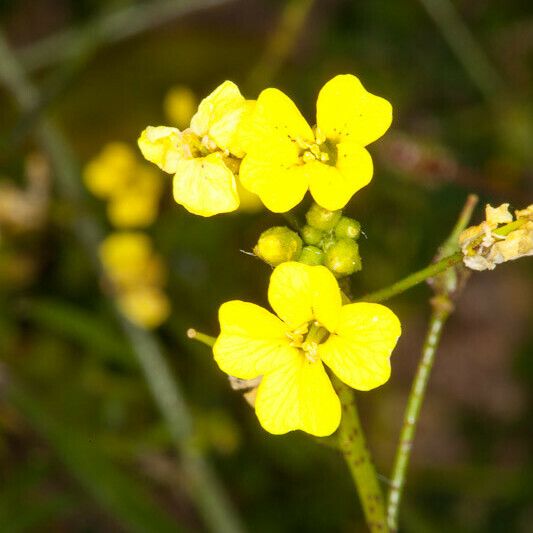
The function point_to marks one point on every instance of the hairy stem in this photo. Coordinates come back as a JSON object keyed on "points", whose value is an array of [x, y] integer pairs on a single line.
{"points": [[351, 442], [412, 412]]}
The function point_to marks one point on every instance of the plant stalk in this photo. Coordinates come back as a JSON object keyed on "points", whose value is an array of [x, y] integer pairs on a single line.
{"points": [[351, 442], [412, 412]]}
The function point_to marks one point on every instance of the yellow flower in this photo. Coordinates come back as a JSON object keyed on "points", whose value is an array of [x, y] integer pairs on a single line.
{"points": [[136, 206], [205, 157], [129, 260], [111, 171], [132, 188], [355, 341], [285, 156]]}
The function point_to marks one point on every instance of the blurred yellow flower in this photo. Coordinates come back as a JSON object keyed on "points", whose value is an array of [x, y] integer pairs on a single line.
{"points": [[205, 157], [138, 275], [132, 188], [148, 307], [180, 105], [285, 157], [111, 171], [355, 341], [125, 256]]}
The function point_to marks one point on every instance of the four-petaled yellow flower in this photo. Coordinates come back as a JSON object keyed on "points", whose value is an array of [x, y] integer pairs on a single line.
{"points": [[205, 157], [314, 328], [285, 156]]}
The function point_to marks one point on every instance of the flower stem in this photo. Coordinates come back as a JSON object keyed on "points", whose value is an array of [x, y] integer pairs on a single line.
{"points": [[412, 412], [413, 279], [351, 441], [431, 270], [446, 290]]}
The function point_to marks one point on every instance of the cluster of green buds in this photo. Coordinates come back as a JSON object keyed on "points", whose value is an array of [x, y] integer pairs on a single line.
{"points": [[328, 239]]}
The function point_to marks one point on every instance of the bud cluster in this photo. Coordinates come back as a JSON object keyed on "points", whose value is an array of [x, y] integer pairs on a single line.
{"points": [[328, 239]]}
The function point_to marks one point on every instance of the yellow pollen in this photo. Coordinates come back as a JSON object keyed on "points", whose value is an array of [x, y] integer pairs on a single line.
{"points": [[313, 152], [310, 349], [297, 335]]}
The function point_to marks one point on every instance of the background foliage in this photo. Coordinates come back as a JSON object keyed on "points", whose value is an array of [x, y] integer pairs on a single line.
{"points": [[82, 445]]}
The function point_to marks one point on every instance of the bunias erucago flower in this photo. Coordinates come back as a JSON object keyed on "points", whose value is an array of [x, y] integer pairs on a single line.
{"points": [[312, 329], [286, 157], [205, 157]]}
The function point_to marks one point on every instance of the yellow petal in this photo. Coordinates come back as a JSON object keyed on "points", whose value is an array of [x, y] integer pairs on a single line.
{"points": [[298, 395], [359, 350], [333, 186], [347, 111], [252, 340], [299, 293], [249, 201], [205, 186], [243, 135], [279, 185], [162, 146], [276, 118], [219, 114]]}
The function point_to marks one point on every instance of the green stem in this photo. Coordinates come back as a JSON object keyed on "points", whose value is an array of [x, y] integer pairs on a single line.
{"points": [[413, 279], [202, 484], [352, 444], [412, 412], [435, 268]]}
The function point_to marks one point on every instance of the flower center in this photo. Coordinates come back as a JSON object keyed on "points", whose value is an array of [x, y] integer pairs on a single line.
{"points": [[321, 150], [307, 338]]}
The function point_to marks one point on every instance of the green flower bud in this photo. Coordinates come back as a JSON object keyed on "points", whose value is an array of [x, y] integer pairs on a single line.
{"points": [[347, 228], [343, 258], [321, 218], [327, 242], [312, 235], [311, 255], [277, 245]]}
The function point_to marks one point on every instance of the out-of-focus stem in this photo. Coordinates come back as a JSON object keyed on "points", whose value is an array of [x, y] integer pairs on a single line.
{"points": [[351, 442], [110, 28], [465, 47], [280, 43], [203, 486], [412, 413]]}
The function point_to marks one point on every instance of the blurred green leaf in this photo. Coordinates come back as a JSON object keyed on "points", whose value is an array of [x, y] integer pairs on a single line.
{"points": [[122, 496], [88, 329]]}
